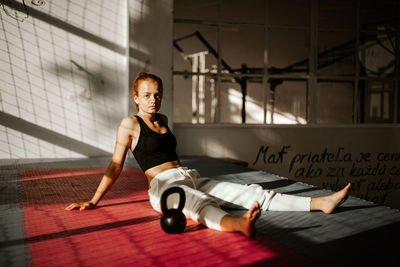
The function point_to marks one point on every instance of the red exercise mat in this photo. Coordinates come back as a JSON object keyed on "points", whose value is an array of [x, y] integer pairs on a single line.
{"points": [[124, 230]]}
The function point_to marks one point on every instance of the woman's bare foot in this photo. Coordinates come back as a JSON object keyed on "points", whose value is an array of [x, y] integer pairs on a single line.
{"points": [[327, 204], [243, 224]]}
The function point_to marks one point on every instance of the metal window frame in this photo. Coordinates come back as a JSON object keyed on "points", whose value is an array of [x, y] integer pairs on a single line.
{"points": [[312, 77]]}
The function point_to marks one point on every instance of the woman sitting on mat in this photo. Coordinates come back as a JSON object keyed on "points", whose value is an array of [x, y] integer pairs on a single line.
{"points": [[147, 135]]}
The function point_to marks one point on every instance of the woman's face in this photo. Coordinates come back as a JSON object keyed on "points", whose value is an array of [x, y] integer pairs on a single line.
{"points": [[148, 97]]}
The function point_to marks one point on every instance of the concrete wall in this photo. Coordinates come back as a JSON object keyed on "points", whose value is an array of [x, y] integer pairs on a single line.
{"points": [[66, 71], [63, 81], [325, 156]]}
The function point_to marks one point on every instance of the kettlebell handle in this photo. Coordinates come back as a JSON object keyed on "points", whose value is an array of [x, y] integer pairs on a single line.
{"points": [[168, 192]]}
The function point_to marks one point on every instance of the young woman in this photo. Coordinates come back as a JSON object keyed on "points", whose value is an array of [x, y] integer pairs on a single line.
{"points": [[153, 145]]}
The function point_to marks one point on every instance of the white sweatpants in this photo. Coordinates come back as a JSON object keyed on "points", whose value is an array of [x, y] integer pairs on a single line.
{"points": [[205, 196]]}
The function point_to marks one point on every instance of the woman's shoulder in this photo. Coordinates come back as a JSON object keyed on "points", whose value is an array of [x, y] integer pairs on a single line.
{"points": [[130, 122]]}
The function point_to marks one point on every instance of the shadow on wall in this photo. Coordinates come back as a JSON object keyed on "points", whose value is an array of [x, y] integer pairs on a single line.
{"points": [[95, 85], [53, 137], [65, 78]]}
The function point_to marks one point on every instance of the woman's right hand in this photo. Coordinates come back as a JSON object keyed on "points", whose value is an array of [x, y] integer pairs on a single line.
{"points": [[81, 206]]}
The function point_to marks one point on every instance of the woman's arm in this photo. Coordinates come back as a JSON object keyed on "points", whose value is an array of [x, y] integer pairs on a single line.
{"points": [[125, 135]]}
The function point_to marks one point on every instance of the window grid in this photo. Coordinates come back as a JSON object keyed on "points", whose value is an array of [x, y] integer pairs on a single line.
{"points": [[310, 76]]}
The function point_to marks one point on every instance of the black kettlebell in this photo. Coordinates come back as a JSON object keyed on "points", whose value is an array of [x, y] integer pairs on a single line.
{"points": [[173, 221]]}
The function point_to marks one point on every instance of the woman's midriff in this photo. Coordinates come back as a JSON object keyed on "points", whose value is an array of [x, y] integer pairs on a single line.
{"points": [[154, 171]]}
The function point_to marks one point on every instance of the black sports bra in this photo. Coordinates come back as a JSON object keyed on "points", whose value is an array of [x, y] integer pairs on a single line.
{"points": [[152, 148]]}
